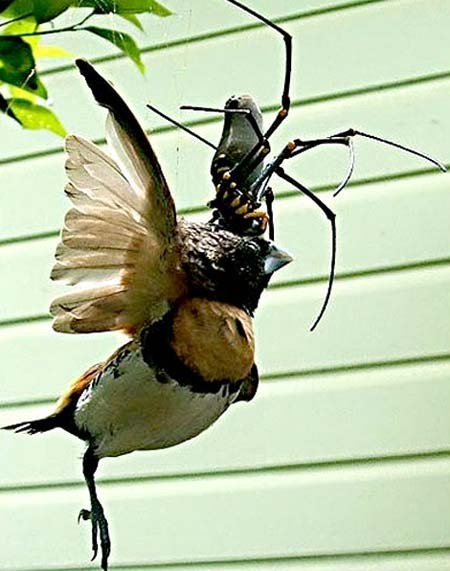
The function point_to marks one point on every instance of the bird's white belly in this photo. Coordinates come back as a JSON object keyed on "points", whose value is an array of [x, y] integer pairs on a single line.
{"points": [[126, 408]]}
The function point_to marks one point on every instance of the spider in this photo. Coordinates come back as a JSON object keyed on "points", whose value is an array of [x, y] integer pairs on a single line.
{"points": [[241, 174]]}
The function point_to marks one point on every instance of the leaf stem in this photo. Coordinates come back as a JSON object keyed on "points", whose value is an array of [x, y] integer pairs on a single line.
{"points": [[86, 18], [73, 28]]}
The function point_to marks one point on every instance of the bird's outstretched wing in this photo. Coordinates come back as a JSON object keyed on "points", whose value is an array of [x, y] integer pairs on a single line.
{"points": [[119, 238]]}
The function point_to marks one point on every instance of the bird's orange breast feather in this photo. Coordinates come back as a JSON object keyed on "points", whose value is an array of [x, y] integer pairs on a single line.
{"points": [[214, 339]]}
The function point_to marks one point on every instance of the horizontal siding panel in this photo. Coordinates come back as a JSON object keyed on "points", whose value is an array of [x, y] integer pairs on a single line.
{"points": [[399, 315], [389, 411], [392, 316], [40, 363], [398, 505], [186, 23], [392, 220], [395, 562], [435, 560], [359, 60], [416, 116]]}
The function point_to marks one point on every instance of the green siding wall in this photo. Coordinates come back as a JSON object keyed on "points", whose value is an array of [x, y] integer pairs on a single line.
{"points": [[342, 462]]}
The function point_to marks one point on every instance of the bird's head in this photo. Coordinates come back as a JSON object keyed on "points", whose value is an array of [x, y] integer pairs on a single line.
{"points": [[226, 267]]}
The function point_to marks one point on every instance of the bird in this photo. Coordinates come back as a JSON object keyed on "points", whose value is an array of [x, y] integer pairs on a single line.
{"points": [[184, 292]]}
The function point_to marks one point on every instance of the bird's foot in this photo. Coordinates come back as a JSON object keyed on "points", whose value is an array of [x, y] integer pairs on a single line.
{"points": [[99, 523]]}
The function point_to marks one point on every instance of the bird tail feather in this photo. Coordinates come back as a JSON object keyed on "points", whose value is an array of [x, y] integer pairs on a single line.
{"points": [[34, 426]]}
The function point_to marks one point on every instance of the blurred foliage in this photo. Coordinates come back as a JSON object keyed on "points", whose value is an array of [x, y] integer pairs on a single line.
{"points": [[23, 95]]}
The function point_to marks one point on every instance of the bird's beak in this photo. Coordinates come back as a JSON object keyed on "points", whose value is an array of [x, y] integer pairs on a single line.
{"points": [[276, 259]]}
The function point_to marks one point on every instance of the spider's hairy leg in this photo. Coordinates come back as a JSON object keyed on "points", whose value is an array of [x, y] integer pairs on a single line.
{"points": [[181, 126], [260, 188], [345, 138], [246, 112], [287, 38], [261, 148], [306, 145], [331, 216], [354, 133]]}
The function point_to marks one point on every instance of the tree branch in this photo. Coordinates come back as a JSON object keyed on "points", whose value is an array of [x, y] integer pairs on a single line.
{"points": [[73, 28]]}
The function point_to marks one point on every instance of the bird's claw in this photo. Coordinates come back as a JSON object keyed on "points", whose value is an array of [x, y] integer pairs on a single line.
{"points": [[99, 523], [84, 515]]}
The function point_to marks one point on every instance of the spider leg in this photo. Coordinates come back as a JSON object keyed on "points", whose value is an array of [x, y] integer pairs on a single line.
{"points": [[307, 145], [250, 118], [269, 198], [345, 137], [300, 146], [255, 155], [246, 112], [261, 148], [285, 99], [293, 149], [350, 170], [332, 218], [181, 126], [355, 132], [304, 146]]}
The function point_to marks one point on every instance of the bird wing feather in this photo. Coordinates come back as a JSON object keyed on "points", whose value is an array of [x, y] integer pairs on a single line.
{"points": [[119, 237]]}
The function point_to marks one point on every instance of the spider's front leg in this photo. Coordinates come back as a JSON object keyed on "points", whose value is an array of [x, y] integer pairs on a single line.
{"points": [[346, 138], [331, 216], [260, 190], [287, 38], [300, 146], [354, 133]]}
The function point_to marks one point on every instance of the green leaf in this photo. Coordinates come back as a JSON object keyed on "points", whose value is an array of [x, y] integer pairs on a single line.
{"points": [[24, 26], [42, 10], [133, 19], [17, 93], [158, 9], [17, 66], [32, 116], [125, 6], [44, 51], [18, 8], [6, 108], [39, 50], [124, 42], [4, 4], [45, 10]]}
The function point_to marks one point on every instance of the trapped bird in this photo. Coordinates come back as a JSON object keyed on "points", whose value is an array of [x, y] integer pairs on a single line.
{"points": [[185, 293]]}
